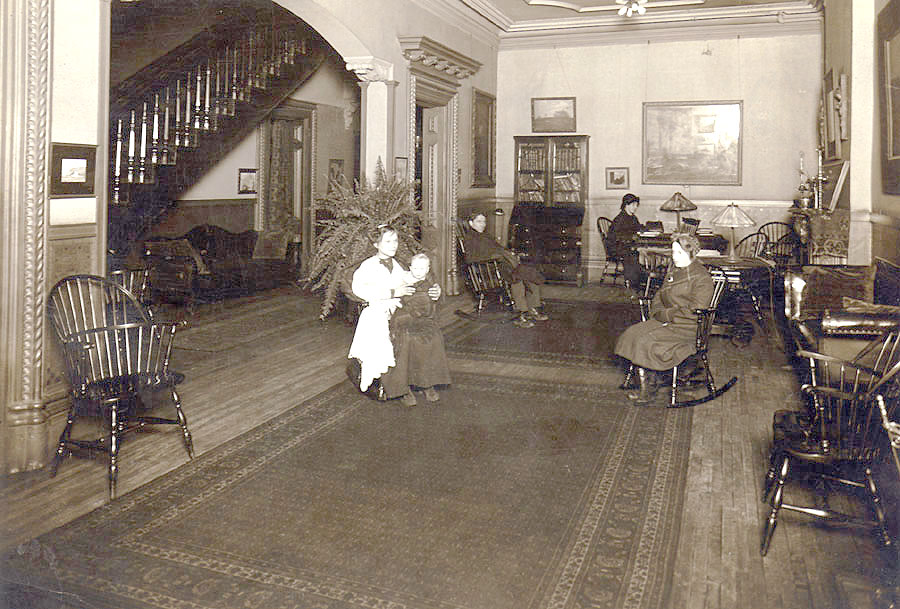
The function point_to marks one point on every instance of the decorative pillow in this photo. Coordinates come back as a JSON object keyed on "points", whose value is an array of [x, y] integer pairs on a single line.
{"points": [[854, 305], [177, 247], [270, 244]]}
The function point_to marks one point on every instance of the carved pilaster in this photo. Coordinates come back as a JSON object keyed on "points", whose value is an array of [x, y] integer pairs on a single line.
{"points": [[452, 204], [25, 103], [263, 153]]}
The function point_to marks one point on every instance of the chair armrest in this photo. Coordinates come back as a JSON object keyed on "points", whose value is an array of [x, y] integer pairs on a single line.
{"points": [[856, 324], [814, 390]]}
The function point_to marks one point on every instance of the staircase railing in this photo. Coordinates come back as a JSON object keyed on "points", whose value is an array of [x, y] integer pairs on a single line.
{"points": [[166, 109]]}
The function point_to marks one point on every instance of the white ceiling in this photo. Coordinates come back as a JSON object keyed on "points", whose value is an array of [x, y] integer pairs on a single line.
{"points": [[514, 18]]}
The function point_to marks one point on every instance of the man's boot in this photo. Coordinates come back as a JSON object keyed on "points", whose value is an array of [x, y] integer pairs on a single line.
{"points": [[648, 386]]}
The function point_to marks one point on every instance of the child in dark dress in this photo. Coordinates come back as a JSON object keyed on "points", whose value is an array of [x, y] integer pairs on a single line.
{"points": [[413, 324]]}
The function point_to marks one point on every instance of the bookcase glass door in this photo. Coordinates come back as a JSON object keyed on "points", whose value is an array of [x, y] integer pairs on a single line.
{"points": [[551, 190]]}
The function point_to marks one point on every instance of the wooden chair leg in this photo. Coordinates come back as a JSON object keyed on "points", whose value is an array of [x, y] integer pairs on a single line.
{"points": [[673, 390], [777, 498], [878, 508], [182, 421], [113, 448], [63, 441]]}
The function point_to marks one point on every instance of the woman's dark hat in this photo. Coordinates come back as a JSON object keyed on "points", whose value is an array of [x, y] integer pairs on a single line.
{"points": [[630, 198]]}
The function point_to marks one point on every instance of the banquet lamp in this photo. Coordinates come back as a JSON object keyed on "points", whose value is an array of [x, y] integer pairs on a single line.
{"points": [[678, 203], [733, 217]]}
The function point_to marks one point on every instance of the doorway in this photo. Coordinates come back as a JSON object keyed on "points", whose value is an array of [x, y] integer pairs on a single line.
{"points": [[285, 193], [432, 184]]}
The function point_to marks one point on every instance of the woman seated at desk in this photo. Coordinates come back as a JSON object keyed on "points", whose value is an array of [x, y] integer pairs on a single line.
{"points": [[622, 231], [667, 337]]}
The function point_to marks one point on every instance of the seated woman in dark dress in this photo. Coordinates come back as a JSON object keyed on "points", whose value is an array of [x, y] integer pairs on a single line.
{"points": [[622, 231], [525, 279], [667, 338]]}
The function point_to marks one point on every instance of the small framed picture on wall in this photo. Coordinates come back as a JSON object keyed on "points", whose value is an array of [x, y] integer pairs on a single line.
{"points": [[72, 169], [617, 178], [246, 181]]}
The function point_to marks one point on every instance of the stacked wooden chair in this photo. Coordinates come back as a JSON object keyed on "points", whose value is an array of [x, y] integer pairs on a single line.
{"points": [[114, 353], [839, 438]]}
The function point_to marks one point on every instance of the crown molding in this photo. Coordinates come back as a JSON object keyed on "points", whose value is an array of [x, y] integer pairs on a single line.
{"points": [[474, 17], [708, 24]]}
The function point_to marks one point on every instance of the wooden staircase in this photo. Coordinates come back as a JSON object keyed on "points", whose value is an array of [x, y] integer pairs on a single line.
{"points": [[178, 116]]}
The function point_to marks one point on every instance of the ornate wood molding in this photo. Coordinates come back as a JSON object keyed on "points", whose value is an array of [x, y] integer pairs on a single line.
{"points": [[371, 69], [435, 56], [25, 148]]}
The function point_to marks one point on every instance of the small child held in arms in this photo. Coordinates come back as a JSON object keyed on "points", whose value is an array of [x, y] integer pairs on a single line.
{"points": [[419, 304]]}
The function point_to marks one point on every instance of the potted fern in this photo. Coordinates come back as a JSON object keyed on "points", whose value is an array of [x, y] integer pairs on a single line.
{"points": [[353, 214]]}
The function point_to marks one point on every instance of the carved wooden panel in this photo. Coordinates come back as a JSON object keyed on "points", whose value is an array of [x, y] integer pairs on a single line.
{"points": [[65, 257]]}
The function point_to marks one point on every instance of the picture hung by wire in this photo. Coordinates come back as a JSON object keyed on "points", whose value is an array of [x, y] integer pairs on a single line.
{"points": [[72, 168], [617, 178], [889, 90], [483, 134], [246, 181], [692, 142], [551, 114]]}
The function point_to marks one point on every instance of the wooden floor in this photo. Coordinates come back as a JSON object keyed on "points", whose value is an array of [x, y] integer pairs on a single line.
{"points": [[274, 366]]}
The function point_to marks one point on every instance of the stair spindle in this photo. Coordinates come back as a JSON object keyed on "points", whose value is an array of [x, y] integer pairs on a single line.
{"points": [[117, 168], [208, 113], [178, 127], [167, 150], [129, 176], [154, 140], [233, 95], [187, 135], [199, 118], [144, 170]]}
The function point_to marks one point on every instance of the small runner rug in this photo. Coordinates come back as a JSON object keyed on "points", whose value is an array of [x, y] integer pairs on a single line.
{"points": [[578, 333], [506, 494]]}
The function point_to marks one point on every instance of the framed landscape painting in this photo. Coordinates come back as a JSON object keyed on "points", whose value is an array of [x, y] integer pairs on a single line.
{"points": [[889, 89], [692, 142], [549, 114]]}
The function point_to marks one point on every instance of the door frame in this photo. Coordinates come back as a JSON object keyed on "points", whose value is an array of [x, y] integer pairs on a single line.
{"points": [[306, 114], [429, 90]]}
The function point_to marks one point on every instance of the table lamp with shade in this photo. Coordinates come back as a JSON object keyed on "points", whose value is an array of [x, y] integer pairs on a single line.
{"points": [[733, 217], [678, 203]]}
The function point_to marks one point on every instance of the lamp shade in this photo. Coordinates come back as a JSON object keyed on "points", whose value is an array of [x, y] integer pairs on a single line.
{"points": [[678, 202], [733, 217]]}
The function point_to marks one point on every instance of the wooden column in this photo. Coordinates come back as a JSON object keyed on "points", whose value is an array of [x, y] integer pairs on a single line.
{"points": [[25, 107]]}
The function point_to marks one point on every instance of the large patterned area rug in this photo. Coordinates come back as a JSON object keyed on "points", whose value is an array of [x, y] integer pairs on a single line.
{"points": [[581, 333], [507, 494]]}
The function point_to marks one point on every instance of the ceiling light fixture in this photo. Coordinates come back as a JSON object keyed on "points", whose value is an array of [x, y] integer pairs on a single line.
{"points": [[629, 7]]}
